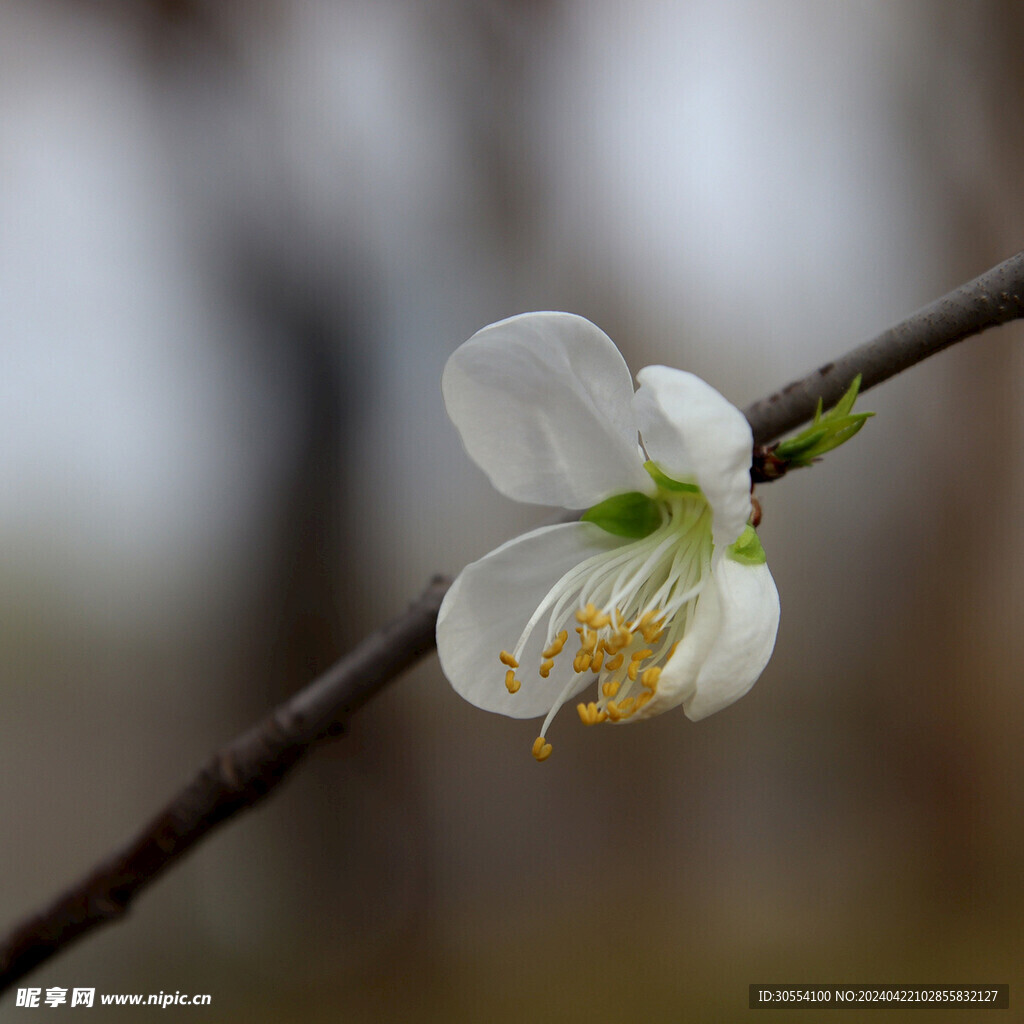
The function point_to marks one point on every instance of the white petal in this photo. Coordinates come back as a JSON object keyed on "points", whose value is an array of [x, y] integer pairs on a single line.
{"points": [[543, 403], [490, 603], [694, 434], [748, 608]]}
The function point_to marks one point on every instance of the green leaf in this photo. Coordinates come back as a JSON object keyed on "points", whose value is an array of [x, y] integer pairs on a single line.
{"points": [[747, 548], [845, 404], [802, 443], [625, 515], [666, 483], [827, 432]]}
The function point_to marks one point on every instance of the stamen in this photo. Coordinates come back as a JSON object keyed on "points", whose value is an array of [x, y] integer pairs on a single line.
{"points": [[556, 647], [650, 677], [632, 605], [561, 699], [589, 714], [585, 614], [616, 712]]}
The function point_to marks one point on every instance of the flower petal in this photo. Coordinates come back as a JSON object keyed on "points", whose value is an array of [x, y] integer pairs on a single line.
{"points": [[748, 610], [543, 403], [490, 603], [694, 434]]}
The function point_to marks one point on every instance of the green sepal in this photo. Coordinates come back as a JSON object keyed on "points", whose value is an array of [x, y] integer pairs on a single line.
{"points": [[666, 483], [826, 432], [746, 549], [625, 515]]}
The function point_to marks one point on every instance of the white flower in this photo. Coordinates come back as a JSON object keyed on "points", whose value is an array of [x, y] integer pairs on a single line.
{"points": [[676, 606]]}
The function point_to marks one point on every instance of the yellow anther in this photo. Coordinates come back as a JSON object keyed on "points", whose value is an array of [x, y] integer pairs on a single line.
{"points": [[588, 642], [617, 641], [650, 677], [595, 664], [589, 714], [610, 688], [511, 683], [600, 620], [541, 749], [640, 655], [556, 645], [650, 625], [614, 663], [643, 699], [546, 666], [634, 667], [585, 614], [616, 712], [581, 662], [507, 659]]}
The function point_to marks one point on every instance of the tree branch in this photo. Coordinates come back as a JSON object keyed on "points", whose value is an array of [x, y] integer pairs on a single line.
{"points": [[237, 778], [996, 297], [248, 769]]}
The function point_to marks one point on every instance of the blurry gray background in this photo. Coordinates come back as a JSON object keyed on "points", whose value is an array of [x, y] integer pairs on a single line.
{"points": [[237, 244]]}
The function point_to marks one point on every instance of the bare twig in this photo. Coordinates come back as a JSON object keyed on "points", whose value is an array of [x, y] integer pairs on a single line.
{"points": [[248, 769], [237, 778], [996, 297]]}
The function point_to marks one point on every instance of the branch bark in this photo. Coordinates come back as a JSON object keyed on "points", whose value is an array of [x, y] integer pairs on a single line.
{"points": [[248, 769], [996, 297], [238, 777]]}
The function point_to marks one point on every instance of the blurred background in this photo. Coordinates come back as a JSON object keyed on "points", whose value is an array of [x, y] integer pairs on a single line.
{"points": [[238, 243]]}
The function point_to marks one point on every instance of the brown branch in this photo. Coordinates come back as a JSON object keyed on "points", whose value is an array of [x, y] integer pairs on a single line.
{"points": [[249, 768], [237, 778], [996, 297]]}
